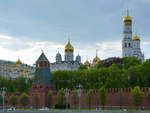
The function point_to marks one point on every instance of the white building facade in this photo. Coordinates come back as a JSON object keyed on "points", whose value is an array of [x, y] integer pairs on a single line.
{"points": [[69, 63]]}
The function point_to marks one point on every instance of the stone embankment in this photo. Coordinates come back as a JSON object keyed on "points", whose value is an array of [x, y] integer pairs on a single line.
{"points": [[73, 111]]}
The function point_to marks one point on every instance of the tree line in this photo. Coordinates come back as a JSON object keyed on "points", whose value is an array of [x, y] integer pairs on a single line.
{"points": [[19, 84], [128, 74]]}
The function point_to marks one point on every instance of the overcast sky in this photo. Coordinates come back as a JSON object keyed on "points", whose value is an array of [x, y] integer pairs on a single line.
{"points": [[27, 26]]}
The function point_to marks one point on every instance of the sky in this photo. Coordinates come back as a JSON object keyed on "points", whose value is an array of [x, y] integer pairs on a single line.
{"points": [[29, 26]]}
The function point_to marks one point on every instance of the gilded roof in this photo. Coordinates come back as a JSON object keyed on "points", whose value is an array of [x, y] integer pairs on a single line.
{"points": [[96, 59], [136, 38], [87, 63], [69, 47], [18, 62], [127, 18]]}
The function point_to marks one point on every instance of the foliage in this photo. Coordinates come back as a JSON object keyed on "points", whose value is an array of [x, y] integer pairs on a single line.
{"points": [[49, 98], [89, 97], [75, 97], [137, 96], [36, 100], [13, 100], [20, 84], [128, 73], [61, 98], [24, 100], [130, 61], [102, 95], [82, 67]]}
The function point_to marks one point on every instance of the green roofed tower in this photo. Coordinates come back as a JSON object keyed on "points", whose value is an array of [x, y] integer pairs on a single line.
{"points": [[42, 73]]}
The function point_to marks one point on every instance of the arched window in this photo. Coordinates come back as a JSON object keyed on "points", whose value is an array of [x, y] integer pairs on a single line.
{"points": [[129, 44], [125, 44]]}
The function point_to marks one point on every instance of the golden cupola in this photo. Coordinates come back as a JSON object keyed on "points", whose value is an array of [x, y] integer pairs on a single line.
{"points": [[127, 18], [69, 47], [136, 38], [18, 62], [96, 60], [87, 63]]}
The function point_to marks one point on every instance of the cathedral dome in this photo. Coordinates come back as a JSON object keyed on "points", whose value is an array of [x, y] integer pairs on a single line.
{"points": [[136, 38], [58, 57], [69, 47], [127, 18], [18, 62], [96, 60], [87, 63], [78, 58]]}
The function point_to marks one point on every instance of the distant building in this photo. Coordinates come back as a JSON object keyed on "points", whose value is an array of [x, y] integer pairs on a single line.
{"points": [[15, 69], [130, 45], [69, 63]]}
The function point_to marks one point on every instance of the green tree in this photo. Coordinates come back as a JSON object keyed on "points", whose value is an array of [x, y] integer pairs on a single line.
{"points": [[36, 100], [130, 61], [89, 98], [24, 100], [137, 96], [99, 65], [75, 98], [49, 98], [102, 96], [82, 67], [13, 100], [61, 98], [115, 78]]}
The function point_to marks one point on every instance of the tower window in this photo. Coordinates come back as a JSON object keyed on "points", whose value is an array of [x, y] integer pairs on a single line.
{"points": [[125, 44], [129, 44]]}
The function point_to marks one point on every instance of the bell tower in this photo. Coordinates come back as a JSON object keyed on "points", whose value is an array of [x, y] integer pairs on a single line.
{"points": [[127, 43]]}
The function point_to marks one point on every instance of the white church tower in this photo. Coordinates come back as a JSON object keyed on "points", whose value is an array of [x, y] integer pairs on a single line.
{"points": [[127, 43], [130, 46], [137, 49], [69, 52]]}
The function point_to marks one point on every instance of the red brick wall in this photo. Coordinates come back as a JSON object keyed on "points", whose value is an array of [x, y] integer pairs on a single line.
{"points": [[113, 97]]}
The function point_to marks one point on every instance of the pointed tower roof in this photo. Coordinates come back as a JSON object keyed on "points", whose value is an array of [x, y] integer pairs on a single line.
{"points": [[42, 58], [127, 18]]}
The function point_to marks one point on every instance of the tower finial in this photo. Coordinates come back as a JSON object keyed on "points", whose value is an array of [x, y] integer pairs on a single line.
{"points": [[96, 52], [68, 36], [127, 12]]}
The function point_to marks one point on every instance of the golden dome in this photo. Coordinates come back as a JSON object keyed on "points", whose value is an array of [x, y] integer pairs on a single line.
{"points": [[127, 18], [18, 62], [87, 63], [136, 38], [69, 47], [96, 59]]}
